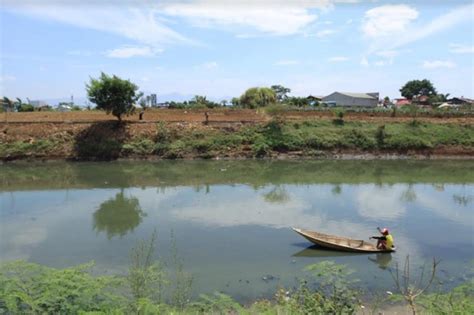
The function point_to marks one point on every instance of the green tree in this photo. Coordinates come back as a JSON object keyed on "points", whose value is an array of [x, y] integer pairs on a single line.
{"points": [[298, 101], [258, 97], [417, 88], [112, 94], [281, 92], [235, 101]]}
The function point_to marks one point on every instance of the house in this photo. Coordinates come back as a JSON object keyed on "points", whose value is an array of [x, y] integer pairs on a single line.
{"points": [[352, 99], [461, 101], [314, 100], [422, 100], [399, 102], [64, 107]]}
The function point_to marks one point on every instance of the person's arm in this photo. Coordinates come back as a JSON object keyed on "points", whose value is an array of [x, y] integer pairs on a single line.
{"points": [[383, 238]]}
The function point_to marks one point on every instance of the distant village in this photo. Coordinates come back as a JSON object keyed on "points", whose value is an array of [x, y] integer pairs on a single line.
{"points": [[335, 99]]}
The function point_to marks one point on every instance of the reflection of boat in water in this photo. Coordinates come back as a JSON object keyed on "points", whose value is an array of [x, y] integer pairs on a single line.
{"points": [[318, 251], [340, 243]]}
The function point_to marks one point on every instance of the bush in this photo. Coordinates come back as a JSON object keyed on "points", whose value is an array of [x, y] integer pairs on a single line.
{"points": [[33, 289], [26, 108], [139, 147], [380, 135], [358, 139]]}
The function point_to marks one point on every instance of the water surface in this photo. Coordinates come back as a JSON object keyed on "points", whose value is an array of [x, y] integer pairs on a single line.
{"points": [[231, 220]]}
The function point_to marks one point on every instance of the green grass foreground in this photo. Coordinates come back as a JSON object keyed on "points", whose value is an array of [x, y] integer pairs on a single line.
{"points": [[27, 288], [303, 139]]}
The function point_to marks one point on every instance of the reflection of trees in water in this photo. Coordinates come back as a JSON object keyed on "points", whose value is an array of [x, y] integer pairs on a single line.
{"points": [[118, 216], [462, 200], [409, 195], [336, 190], [277, 195]]}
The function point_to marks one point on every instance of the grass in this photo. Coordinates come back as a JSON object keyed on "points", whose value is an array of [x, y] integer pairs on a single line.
{"points": [[28, 288], [262, 140]]}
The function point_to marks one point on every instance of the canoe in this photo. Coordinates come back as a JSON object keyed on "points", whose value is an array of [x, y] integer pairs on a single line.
{"points": [[340, 243]]}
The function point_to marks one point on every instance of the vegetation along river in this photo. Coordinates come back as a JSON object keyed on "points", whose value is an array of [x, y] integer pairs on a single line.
{"points": [[229, 222]]}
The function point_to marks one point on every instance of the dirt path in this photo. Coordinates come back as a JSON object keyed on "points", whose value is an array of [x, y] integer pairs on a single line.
{"points": [[215, 115]]}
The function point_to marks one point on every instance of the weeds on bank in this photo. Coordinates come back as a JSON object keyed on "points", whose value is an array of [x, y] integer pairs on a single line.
{"points": [[31, 288], [276, 136], [411, 289]]}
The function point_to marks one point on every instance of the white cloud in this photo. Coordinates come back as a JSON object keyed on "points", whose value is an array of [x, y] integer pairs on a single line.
{"points": [[338, 59], [397, 32], [436, 64], [208, 65], [380, 63], [286, 62], [132, 51], [325, 33], [272, 17], [461, 48], [137, 23], [364, 62], [83, 53], [387, 20], [388, 53], [7, 78]]}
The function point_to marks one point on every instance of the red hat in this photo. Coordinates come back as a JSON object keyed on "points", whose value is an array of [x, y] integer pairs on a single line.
{"points": [[385, 231]]}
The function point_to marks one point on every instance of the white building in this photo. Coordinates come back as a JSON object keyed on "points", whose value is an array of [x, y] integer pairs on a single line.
{"points": [[352, 99]]}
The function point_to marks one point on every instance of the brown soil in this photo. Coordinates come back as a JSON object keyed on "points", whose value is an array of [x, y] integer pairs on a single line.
{"points": [[215, 115], [66, 128]]}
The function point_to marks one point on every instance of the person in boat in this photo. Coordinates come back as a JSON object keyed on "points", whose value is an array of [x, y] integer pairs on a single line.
{"points": [[385, 241]]}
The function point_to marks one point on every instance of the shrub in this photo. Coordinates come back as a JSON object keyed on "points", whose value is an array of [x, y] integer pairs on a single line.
{"points": [[380, 135]]}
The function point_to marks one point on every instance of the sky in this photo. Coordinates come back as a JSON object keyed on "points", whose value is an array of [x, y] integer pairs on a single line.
{"points": [[219, 48]]}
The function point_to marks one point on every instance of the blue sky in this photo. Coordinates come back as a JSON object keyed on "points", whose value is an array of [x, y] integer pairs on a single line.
{"points": [[220, 48]]}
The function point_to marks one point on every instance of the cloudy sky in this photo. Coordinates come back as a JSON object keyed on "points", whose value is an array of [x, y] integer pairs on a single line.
{"points": [[219, 48]]}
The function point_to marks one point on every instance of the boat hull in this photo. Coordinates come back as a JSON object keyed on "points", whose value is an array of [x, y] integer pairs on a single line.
{"points": [[340, 243]]}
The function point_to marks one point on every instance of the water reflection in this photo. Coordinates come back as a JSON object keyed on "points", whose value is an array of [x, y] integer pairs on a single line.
{"points": [[383, 260], [118, 216], [409, 195], [317, 251], [277, 195], [237, 222], [462, 200], [336, 190], [380, 202]]}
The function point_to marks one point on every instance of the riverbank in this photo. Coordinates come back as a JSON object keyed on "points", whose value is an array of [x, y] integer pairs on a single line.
{"points": [[277, 138], [34, 288]]}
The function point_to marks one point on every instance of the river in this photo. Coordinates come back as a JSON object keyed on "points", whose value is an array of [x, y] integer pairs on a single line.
{"points": [[229, 222]]}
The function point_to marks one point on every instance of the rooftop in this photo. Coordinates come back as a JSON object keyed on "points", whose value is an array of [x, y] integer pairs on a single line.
{"points": [[358, 95]]}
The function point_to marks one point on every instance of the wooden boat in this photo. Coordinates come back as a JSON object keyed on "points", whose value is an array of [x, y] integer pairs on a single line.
{"points": [[340, 243]]}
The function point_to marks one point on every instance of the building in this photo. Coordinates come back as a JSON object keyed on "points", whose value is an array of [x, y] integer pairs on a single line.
{"points": [[461, 101], [352, 99], [399, 102]]}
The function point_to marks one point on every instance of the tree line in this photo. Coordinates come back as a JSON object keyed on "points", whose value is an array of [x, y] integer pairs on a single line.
{"points": [[120, 97]]}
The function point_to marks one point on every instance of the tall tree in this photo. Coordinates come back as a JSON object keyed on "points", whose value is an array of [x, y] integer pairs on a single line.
{"points": [[416, 88], [112, 94], [281, 92], [258, 97]]}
